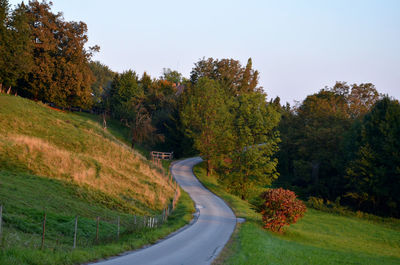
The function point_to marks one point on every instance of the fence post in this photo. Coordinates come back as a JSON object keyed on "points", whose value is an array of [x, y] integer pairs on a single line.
{"points": [[44, 229], [1, 222], [118, 227], [97, 228], [76, 230]]}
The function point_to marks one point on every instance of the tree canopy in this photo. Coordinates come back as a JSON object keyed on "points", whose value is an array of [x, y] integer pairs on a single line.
{"points": [[44, 56]]}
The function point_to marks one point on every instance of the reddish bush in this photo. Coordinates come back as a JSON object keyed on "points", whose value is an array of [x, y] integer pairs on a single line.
{"points": [[280, 208]]}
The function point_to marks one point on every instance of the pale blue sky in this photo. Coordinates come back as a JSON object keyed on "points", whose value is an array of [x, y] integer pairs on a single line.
{"points": [[298, 46]]}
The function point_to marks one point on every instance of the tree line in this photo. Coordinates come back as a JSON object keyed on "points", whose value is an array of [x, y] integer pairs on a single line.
{"points": [[340, 144], [220, 113]]}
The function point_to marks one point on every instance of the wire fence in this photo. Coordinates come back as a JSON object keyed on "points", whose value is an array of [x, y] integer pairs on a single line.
{"points": [[49, 230], [55, 231]]}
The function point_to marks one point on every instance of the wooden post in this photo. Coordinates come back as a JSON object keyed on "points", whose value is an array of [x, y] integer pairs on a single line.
{"points": [[97, 229], [117, 227], [44, 229], [76, 230], [104, 121]]}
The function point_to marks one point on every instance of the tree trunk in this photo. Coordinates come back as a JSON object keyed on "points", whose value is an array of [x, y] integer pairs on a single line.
{"points": [[315, 171], [104, 121], [209, 168]]}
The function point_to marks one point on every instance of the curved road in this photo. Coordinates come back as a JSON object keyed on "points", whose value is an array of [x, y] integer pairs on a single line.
{"points": [[201, 242]]}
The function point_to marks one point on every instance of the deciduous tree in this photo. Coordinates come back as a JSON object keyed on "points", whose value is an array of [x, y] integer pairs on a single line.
{"points": [[255, 142], [206, 118]]}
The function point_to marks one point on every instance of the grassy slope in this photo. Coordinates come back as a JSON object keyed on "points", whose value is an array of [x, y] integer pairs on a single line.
{"points": [[43, 153], [318, 238], [74, 148]]}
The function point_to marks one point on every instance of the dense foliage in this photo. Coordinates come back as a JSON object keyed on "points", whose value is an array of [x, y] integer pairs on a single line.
{"points": [[339, 144], [280, 208], [43, 57], [373, 175], [232, 125]]}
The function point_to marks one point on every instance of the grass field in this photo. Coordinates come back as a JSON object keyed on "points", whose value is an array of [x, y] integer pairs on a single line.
{"points": [[318, 238], [74, 148], [65, 164]]}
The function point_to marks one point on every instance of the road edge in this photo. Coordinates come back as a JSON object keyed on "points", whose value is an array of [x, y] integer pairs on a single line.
{"points": [[192, 222]]}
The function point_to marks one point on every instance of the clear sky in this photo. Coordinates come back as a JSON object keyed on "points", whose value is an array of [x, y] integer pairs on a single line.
{"points": [[298, 46]]}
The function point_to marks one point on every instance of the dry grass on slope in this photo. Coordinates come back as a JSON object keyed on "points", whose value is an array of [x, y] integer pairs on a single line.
{"points": [[72, 148]]}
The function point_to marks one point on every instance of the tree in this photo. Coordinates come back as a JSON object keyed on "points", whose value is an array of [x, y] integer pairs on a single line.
{"points": [[255, 142], [323, 120], [141, 126], [16, 58], [125, 93], [229, 73], [206, 118], [171, 76], [103, 79], [60, 72], [361, 99], [4, 40], [21, 46], [374, 174]]}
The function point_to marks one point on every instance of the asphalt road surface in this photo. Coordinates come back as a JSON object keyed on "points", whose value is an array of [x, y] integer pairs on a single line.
{"points": [[201, 242]]}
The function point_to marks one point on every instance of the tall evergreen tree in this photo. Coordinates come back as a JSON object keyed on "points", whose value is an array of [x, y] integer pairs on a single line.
{"points": [[374, 175]]}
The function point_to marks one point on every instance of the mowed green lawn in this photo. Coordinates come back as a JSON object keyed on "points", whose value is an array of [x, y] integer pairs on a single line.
{"points": [[318, 238]]}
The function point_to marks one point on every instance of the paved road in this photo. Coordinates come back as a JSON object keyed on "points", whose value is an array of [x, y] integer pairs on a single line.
{"points": [[201, 242]]}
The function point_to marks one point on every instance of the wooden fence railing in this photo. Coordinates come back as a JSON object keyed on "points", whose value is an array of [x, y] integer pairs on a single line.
{"points": [[162, 155]]}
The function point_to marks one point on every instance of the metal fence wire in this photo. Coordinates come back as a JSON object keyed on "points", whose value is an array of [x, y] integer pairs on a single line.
{"points": [[79, 231], [52, 231]]}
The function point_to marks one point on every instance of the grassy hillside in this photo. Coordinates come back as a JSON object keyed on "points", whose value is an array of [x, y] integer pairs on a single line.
{"points": [[75, 149], [65, 164], [318, 238]]}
